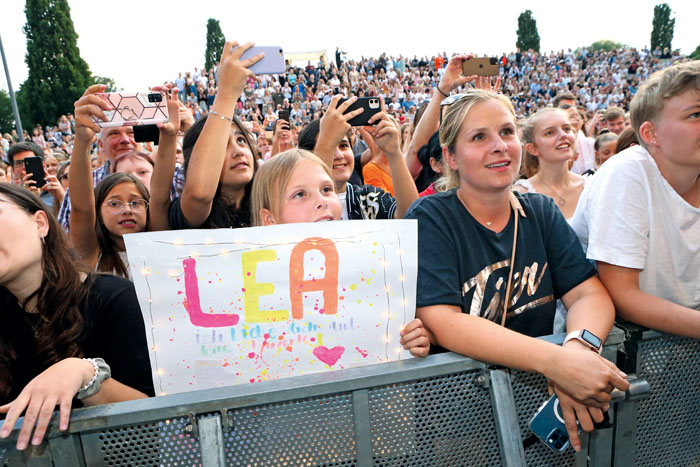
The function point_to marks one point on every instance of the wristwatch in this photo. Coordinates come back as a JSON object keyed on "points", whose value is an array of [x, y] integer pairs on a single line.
{"points": [[587, 338]]}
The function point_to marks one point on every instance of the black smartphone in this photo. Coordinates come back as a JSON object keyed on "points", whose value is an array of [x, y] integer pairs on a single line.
{"points": [[35, 166], [284, 115], [371, 106], [146, 133]]}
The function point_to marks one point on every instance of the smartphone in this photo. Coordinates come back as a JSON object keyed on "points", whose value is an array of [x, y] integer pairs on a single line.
{"points": [[548, 425], [371, 106], [481, 66], [142, 108], [271, 64], [284, 115], [35, 166], [147, 133]]}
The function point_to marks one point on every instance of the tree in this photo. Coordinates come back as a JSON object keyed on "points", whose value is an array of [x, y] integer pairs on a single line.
{"points": [[605, 45], [528, 37], [109, 82], [58, 75], [696, 54], [215, 44], [7, 120], [662, 27]]}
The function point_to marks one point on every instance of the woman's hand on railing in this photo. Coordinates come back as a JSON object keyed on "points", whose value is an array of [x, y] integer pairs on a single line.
{"points": [[57, 385], [573, 410]]}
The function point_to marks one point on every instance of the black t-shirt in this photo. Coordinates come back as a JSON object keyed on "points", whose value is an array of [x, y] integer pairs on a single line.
{"points": [[369, 202], [177, 220], [462, 263], [114, 331]]}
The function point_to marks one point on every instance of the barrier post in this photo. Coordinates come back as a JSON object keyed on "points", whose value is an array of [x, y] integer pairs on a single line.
{"points": [[211, 439], [506, 418]]}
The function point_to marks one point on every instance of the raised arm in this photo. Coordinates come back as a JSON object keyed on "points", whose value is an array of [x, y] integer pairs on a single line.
{"points": [[387, 139], [209, 151], [82, 215], [430, 121], [164, 168], [333, 127]]}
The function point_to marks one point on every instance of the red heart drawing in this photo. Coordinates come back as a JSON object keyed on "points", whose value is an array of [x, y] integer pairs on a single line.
{"points": [[329, 356]]}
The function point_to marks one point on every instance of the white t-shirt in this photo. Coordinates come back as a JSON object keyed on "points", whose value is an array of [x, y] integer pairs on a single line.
{"points": [[585, 147], [630, 216]]}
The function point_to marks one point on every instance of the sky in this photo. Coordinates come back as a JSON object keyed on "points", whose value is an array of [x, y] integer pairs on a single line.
{"points": [[141, 43]]}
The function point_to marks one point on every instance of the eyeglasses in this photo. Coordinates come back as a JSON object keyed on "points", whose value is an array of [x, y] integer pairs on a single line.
{"points": [[448, 101], [116, 206]]}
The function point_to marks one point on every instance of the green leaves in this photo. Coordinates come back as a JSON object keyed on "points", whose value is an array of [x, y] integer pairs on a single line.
{"points": [[528, 37], [662, 27], [58, 75], [215, 44]]}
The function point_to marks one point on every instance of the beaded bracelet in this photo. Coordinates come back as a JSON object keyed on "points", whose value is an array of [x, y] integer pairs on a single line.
{"points": [[223, 117], [96, 368]]}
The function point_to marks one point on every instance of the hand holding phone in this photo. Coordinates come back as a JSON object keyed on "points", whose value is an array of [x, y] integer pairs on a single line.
{"points": [[133, 109], [481, 66], [271, 64], [548, 425], [370, 105], [35, 166]]}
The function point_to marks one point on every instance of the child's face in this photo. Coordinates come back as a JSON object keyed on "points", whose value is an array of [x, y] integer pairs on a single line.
{"points": [[343, 162], [605, 152], [309, 197]]}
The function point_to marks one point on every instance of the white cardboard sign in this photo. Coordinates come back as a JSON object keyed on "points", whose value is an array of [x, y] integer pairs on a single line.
{"points": [[232, 306]]}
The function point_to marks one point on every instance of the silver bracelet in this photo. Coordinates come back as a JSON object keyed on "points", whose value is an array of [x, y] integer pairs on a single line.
{"points": [[223, 117]]}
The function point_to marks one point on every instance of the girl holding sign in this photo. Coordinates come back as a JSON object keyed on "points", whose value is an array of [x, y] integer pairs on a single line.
{"points": [[491, 265], [51, 316], [297, 186]]}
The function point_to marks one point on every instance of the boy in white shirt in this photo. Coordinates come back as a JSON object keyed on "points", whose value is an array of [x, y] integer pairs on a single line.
{"points": [[639, 218]]}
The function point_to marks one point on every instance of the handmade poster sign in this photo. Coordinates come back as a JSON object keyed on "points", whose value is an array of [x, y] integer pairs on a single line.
{"points": [[225, 307]]}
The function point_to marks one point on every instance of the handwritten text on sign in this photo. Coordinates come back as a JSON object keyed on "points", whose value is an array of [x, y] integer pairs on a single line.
{"points": [[225, 307]]}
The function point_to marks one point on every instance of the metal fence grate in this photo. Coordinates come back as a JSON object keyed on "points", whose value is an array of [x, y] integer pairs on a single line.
{"points": [[164, 443], [668, 423], [530, 391], [441, 421], [306, 432]]}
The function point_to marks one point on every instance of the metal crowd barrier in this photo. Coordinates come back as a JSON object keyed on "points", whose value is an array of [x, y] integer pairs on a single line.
{"points": [[443, 410]]}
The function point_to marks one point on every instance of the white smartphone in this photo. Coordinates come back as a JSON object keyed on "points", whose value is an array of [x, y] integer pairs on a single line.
{"points": [[131, 109]]}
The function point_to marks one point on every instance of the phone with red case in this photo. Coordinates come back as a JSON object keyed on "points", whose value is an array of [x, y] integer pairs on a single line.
{"points": [[132, 109]]}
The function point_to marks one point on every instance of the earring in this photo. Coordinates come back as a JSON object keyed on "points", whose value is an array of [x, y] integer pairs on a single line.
{"points": [[42, 240]]}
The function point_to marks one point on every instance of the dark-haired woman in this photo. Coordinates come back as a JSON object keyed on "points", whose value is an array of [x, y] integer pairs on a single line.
{"points": [[219, 163], [63, 335]]}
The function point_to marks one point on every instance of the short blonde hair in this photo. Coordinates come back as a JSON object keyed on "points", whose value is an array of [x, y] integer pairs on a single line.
{"points": [[452, 124], [670, 82], [271, 181]]}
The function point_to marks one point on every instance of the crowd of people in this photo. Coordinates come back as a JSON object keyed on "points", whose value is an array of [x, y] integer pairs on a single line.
{"points": [[602, 221]]}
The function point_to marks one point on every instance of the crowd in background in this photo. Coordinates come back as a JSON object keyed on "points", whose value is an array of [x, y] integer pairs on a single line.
{"points": [[445, 149]]}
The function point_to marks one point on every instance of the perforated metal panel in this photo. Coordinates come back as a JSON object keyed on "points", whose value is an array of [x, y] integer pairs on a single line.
{"points": [[530, 391], [163, 443], [668, 427], [307, 432], [443, 421]]}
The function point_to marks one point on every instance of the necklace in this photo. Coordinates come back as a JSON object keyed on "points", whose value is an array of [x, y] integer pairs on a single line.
{"points": [[488, 223], [561, 201]]}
